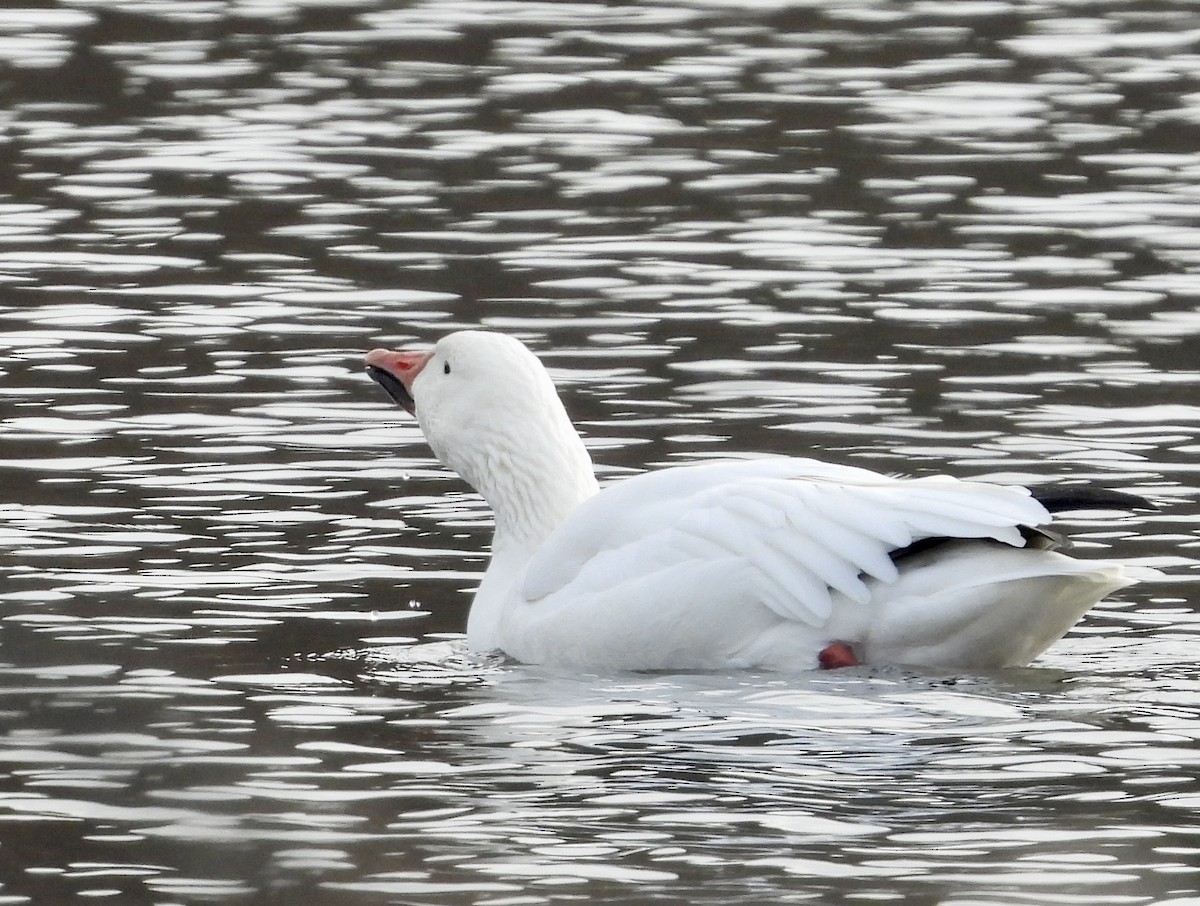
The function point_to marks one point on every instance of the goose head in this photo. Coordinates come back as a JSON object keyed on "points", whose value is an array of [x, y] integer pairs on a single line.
{"points": [[490, 412]]}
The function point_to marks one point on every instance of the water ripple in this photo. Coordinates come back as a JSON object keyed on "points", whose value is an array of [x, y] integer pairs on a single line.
{"points": [[918, 238]]}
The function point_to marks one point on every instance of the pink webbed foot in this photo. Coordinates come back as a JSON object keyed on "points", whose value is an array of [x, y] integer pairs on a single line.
{"points": [[835, 655]]}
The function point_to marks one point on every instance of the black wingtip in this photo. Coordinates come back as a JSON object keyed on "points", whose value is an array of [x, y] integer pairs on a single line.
{"points": [[1066, 498]]}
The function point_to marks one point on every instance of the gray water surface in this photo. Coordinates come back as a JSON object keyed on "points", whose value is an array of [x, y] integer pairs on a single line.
{"points": [[916, 237]]}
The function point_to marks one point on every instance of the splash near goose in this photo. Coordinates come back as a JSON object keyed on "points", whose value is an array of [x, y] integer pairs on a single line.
{"points": [[776, 563]]}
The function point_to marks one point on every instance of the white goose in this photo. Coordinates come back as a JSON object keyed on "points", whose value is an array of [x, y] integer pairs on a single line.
{"points": [[777, 563]]}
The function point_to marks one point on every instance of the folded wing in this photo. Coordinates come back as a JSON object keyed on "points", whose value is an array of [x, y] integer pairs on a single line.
{"points": [[799, 531]]}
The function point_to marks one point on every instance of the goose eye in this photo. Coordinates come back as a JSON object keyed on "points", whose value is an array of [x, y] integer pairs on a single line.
{"points": [[446, 368]]}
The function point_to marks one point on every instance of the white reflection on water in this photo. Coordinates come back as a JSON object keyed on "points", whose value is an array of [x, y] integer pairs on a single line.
{"points": [[918, 238], [673, 773]]}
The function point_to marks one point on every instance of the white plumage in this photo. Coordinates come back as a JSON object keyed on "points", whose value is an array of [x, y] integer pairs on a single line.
{"points": [[762, 563]]}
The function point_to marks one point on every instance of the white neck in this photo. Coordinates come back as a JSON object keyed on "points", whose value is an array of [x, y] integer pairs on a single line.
{"points": [[532, 487]]}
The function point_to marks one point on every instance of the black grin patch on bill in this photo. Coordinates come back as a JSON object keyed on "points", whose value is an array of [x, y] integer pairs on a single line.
{"points": [[392, 386]]}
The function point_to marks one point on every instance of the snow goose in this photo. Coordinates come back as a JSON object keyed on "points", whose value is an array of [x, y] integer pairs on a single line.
{"points": [[782, 563]]}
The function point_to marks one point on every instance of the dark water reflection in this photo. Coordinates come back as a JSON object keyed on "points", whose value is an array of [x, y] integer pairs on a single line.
{"points": [[917, 237]]}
